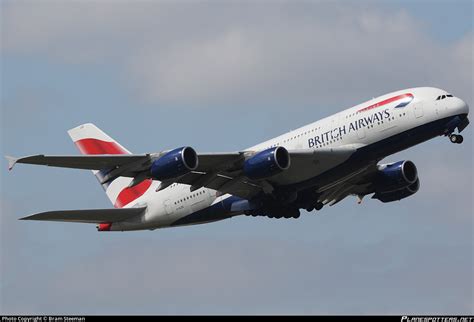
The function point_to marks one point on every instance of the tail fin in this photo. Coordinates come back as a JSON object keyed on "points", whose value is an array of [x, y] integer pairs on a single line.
{"points": [[89, 139]]}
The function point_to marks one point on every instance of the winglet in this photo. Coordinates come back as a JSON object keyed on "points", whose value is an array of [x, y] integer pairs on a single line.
{"points": [[11, 162]]}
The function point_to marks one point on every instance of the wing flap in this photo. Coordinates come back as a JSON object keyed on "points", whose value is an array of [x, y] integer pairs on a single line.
{"points": [[88, 216], [214, 162], [309, 163], [223, 171]]}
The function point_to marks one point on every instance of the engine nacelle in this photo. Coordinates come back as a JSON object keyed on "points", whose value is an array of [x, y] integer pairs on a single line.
{"points": [[267, 163], [396, 176], [398, 194], [175, 163]]}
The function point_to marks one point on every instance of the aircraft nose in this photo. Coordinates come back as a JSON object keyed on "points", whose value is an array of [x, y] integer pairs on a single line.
{"points": [[460, 106]]}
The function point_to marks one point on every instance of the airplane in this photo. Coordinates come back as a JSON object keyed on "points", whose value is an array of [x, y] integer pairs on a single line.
{"points": [[315, 165]]}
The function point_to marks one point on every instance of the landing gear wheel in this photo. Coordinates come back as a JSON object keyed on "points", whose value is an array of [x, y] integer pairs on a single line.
{"points": [[454, 138], [319, 206]]}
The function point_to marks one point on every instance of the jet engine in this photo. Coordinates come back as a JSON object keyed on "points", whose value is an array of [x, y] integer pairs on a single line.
{"points": [[175, 163], [267, 163], [398, 194], [395, 176]]}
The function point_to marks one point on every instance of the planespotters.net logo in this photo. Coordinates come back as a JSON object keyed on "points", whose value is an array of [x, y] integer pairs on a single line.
{"points": [[437, 319]]}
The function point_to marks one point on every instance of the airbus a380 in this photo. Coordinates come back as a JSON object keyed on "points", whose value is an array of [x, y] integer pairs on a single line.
{"points": [[318, 164]]}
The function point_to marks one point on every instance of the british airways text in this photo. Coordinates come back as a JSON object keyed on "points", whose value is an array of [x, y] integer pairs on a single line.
{"points": [[344, 129]]}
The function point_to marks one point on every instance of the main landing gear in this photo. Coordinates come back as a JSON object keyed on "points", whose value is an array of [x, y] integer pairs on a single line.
{"points": [[318, 206], [277, 213], [456, 138]]}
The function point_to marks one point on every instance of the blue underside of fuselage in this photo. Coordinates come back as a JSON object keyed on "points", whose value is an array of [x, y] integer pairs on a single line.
{"points": [[217, 211], [370, 153]]}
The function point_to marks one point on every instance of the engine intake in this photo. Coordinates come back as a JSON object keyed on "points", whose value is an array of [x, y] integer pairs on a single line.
{"points": [[175, 163], [267, 163], [396, 176]]}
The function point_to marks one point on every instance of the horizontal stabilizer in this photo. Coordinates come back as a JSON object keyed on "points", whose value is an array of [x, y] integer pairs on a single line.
{"points": [[88, 216]]}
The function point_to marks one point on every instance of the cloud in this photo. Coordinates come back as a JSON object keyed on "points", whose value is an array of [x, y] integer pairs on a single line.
{"points": [[280, 62], [211, 54], [150, 275]]}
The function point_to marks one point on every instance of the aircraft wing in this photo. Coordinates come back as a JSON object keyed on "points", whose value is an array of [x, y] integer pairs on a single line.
{"points": [[219, 171], [229, 178], [87, 162], [87, 216], [207, 161], [357, 184]]}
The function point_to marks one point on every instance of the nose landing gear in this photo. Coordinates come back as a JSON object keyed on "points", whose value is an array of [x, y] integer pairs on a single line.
{"points": [[456, 138]]}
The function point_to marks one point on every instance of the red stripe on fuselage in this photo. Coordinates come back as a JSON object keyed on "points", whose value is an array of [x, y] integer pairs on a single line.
{"points": [[94, 146], [127, 195], [385, 102]]}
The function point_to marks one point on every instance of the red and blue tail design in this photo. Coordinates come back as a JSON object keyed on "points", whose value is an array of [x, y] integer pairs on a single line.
{"points": [[89, 139]]}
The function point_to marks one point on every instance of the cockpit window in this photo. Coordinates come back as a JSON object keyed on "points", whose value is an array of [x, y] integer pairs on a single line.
{"points": [[442, 97]]}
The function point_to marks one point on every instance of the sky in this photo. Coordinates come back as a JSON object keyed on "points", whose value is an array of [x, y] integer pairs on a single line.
{"points": [[223, 76]]}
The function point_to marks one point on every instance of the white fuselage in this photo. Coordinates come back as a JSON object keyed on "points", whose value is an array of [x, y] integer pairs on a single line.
{"points": [[360, 125]]}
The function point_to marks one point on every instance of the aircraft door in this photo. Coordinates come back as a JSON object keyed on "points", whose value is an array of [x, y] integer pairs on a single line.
{"points": [[168, 206], [440, 107], [418, 109], [361, 133]]}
